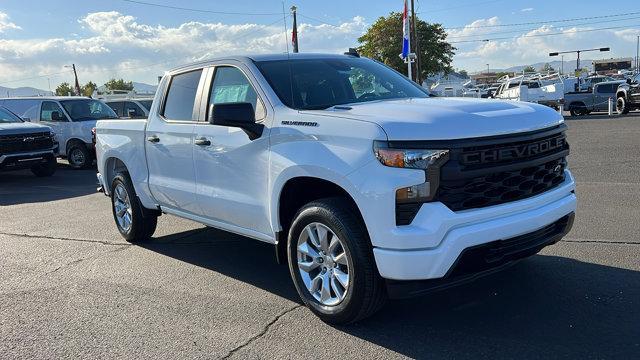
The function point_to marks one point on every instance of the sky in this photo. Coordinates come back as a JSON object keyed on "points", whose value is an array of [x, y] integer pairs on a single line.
{"points": [[124, 38]]}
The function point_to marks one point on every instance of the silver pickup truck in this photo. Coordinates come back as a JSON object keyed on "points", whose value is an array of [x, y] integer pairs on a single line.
{"points": [[597, 99]]}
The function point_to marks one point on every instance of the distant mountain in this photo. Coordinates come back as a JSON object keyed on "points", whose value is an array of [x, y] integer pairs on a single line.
{"points": [[23, 91], [568, 66]]}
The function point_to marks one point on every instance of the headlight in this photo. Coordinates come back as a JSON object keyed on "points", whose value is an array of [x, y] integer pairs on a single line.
{"points": [[408, 158], [429, 160]]}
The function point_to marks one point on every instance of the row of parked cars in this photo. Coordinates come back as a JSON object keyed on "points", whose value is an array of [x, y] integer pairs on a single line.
{"points": [[34, 131]]}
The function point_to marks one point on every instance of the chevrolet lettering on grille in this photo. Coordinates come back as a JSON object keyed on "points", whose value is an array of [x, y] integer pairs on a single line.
{"points": [[515, 152]]}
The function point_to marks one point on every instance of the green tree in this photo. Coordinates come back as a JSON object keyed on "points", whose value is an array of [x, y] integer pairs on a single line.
{"points": [[529, 69], [119, 84], [464, 74], [383, 42], [64, 89], [88, 88], [547, 68]]}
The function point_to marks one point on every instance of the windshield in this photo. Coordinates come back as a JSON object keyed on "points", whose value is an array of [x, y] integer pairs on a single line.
{"points": [[87, 109], [323, 83], [7, 116], [146, 104]]}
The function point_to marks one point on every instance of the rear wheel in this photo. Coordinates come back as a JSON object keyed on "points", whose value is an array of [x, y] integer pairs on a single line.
{"points": [[134, 222], [79, 156], [331, 262], [621, 106], [46, 169]]}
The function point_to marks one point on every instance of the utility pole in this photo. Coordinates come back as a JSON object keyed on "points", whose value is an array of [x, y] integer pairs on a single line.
{"points": [[75, 74], [562, 65], [294, 34], [638, 54], [414, 33]]}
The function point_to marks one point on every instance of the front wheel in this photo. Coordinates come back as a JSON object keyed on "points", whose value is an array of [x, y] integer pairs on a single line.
{"points": [[331, 262], [47, 169], [621, 106], [133, 221]]}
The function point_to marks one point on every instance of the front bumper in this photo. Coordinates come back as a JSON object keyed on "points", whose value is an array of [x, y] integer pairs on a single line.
{"points": [[445, 234], [26, 160], [485, 259]]}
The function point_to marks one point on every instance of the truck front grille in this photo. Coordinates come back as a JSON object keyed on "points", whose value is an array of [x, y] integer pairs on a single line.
{"points": [[492, 171], [19, 143]]}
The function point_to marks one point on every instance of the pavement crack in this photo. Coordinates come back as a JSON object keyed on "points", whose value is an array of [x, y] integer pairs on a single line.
{"points": [[29, 236], [92, 257], [597, 241], [261, 333]]}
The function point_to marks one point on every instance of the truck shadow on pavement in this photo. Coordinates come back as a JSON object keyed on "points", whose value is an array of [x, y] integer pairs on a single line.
{"points": [[21, 187], [542, 307]]}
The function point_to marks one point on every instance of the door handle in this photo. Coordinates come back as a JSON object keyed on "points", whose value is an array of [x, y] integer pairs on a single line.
{"points": [[202, 142], [153, 139]]}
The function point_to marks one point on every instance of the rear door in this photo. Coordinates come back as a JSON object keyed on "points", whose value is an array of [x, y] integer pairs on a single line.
{"points": [[232, 170], [169, 142]]}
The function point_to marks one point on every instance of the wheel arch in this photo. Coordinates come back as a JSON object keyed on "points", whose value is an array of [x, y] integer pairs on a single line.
{"points": [[72, 141], [294, 193]]}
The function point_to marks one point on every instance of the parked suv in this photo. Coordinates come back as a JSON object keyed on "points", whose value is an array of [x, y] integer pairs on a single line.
{"points": [[628, 97], [367, 187], [26, 146], [71, 118], [130, 108]]}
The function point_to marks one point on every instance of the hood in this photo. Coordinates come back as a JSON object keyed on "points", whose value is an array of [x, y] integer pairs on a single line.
{"points": [[450, 118], [21, 128]]}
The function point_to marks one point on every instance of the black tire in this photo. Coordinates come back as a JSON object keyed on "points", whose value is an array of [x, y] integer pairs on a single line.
{"points": [[621, 106], [47, 169], [366, 293], [79, 156], [143, 221]]}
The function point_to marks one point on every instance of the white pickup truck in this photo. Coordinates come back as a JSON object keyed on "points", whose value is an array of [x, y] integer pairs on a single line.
{"points": [[367, 188]]}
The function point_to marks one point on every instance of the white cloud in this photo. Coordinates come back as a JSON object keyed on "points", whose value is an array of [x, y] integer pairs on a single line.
{"points": [[533, 46], [526, 9], [6, 24], [117, 45]]}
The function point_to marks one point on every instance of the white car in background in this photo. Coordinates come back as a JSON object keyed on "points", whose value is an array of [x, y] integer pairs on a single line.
{"points": [[70, 117]]}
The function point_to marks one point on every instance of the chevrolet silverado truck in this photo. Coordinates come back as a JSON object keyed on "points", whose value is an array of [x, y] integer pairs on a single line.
{"points": [[26, 146], [367, 187], [628, 97], [595, 98]]}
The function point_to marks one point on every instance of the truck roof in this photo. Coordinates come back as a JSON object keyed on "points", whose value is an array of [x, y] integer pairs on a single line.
{"points": [[263, 57], [45, 98]]}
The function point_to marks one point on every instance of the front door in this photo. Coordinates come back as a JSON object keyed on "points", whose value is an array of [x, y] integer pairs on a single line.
{"points": [[169, 144], [51, 114], [231, 170]]}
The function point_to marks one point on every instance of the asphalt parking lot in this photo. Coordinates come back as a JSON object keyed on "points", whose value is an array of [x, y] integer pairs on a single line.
{"points": [[70, 287]]}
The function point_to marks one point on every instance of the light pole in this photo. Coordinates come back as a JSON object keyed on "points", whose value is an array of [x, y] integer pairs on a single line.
{"points": [[562, 65], [578, 52], [638, 54], [487, 69]]}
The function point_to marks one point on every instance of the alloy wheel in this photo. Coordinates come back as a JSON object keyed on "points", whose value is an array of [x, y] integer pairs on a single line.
{"points": [[323, 264], [122, 207]]}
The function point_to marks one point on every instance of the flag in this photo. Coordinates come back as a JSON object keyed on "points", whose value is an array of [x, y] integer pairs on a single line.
{"points": [[405, 32]]}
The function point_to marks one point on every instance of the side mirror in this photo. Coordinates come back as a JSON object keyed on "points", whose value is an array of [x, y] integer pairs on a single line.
{"points": [[56, 116], [240, 115], [132, 113], [629, 81], [26, 119]]}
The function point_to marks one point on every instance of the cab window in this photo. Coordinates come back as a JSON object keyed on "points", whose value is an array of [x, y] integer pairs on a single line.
{"points": [[230, 85], [47, 112], [133, 111], [181, 96], [117, 107]]}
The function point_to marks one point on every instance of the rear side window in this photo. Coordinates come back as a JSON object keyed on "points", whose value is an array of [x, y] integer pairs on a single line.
{"points": [[607, 88], [117, 107], [181, 96]]}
